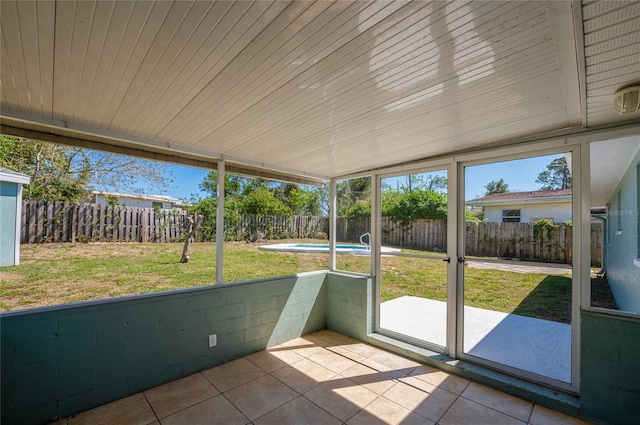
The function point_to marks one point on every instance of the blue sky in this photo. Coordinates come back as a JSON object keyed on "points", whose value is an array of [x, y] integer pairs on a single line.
{"points": [[520, 175], [186, 181]]}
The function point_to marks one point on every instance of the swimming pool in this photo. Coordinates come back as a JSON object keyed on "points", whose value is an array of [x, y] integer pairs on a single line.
{"points": [[353, 249]]}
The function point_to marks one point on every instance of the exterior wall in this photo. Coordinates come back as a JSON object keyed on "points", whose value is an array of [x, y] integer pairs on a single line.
{"points": [[133, 202], [610, 369], [623, 245], [559, 211], [8, 210], [62, 360], [348, 301]]}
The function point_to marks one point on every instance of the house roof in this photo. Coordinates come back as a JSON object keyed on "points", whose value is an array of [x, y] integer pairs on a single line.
{"points": [[562, 195], [154, 198], [11, 176], [312, 89]]}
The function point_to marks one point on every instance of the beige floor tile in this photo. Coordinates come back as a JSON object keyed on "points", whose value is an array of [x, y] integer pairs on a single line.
{"points": [[430, 405], [341, 397], [544, 416], [394, 361], [505, 403], [179, 394], [417, 383], [378, 382], [233, 374], [332, 361], [382, 411], [465, 412], [216, 410], [299, 411], [274, 358], [441, 379], [363, 349], [132, 410], [304, 375], [301, 346], [260, 396], [334, 338], [344, 352]]}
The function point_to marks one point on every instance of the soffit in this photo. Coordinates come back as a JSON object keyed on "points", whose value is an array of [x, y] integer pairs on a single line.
{"points": [[311, 88], [612, 56], [610, 159]]}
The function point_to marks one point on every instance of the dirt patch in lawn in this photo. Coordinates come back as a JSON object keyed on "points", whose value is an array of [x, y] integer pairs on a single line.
{"points": [[601, 295]]}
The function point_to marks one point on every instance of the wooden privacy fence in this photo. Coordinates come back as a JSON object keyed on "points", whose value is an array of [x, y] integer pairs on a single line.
{"points": [[49, 221], [502, 240], [244, 226], [44, 221]]}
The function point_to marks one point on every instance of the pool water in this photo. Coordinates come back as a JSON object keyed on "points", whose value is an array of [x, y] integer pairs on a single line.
{"points": [[353, 249], [326, 246]]}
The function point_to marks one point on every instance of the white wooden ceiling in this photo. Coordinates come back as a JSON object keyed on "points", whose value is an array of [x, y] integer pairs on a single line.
{"points": [[320, 89]]}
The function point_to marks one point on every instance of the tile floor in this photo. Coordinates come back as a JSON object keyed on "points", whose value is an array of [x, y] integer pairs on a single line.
{"points": [[322, 378]]}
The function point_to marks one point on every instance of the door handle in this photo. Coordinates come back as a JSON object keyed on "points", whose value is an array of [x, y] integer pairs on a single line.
{"points": [[448, 259], [461, 260]]}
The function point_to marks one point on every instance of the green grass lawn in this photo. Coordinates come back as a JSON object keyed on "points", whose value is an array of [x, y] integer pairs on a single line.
{"points": [[62, 273]]}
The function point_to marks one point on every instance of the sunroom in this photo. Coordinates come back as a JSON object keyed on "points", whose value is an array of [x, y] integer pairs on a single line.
{"points": [[314, 92]]}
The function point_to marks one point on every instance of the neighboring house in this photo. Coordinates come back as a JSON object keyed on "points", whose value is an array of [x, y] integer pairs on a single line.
{"points": [[10, 213], [140, 201], [525, 207]]}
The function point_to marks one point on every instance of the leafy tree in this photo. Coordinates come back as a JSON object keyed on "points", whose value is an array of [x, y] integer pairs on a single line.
{"points": [[264, 201], [418, 204], [61, 173], [232, 184], [556, 176], [361, 209], [425, 182], [352, 191], [498, 186], [245, 195]]}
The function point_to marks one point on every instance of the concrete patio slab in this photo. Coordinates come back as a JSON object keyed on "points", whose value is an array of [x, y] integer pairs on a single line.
{"points": [[520, 266], [534, 345]]}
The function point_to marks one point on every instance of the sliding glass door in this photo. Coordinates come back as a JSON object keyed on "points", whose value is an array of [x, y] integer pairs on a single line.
{"points": [[414, 263], [517, 266]]}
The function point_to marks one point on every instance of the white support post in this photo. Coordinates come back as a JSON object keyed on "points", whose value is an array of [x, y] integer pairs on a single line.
{"points": [[581, 281], [220, 223], [375, 247], [332, 224], [375, 238]]}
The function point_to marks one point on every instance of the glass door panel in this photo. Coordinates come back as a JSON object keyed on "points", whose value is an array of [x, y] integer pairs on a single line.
{"points": [[413, 262], [517, 284]]}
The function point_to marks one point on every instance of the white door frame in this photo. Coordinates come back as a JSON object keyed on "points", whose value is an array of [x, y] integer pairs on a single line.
{"points": [[580, 214]]}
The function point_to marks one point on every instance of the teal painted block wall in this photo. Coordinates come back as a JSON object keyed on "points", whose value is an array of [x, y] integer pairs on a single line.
{"points": [[624, 217], [610, 369], [63, 360], [348, 301], [8, 206]]}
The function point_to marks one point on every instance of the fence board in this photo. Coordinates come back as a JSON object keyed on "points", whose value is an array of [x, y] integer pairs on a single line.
{"points": [[65, 222]]}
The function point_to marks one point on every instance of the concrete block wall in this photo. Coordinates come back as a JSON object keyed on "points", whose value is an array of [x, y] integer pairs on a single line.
{"points": [[63, 360], [610, 369], [348, 301]]}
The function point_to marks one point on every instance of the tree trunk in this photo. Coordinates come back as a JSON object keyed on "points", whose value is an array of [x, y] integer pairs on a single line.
{"points": [[193, 221]]}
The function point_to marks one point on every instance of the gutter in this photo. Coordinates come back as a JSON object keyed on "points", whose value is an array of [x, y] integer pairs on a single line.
{"points": [[603, 245]]}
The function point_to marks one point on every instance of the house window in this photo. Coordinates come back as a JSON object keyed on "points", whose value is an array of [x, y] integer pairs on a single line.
{"points": [[511, 216], [156, 205]]}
